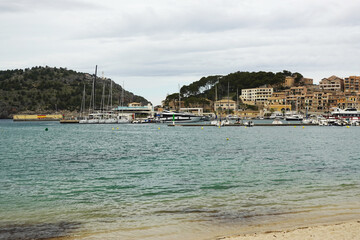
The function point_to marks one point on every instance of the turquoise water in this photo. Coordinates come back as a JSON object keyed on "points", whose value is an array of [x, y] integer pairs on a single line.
{"points": [[142, 182]]}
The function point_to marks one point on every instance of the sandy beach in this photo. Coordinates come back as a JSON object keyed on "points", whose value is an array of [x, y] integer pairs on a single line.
{"points": [[340, 231]]}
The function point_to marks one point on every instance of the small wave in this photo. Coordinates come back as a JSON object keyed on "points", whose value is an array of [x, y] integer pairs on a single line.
{"points": [[218, 186]]}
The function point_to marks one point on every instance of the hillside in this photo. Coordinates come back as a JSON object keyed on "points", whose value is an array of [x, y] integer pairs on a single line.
{"points": [[202, 90], [46, 90]]}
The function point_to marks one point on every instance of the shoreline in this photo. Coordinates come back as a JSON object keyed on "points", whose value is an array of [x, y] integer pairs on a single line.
{"points": [[344, 230], [348, 230]]}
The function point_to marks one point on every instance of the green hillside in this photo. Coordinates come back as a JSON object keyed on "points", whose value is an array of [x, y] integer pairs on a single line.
{"points": [[204, 89], [46, 90]]}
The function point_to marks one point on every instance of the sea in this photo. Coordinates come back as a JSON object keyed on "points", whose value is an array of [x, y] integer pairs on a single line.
{"points": [[152, 181]]}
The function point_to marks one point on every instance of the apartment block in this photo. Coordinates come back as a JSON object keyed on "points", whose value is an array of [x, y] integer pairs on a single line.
{"points": [[332, 83], [225, 104], [351, 84], [257, 96]]}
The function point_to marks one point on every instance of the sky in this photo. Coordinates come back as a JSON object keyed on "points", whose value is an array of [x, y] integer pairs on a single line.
{"points": [[155, 46]]}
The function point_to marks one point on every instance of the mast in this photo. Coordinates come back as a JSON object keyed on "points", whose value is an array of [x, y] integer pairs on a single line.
{"points": [[179, 99], [110, 94], [92, 98], [228, 99], [122, 98], [82, 107], [94, 84], [215, 98], [237, 99], [102, 104]]}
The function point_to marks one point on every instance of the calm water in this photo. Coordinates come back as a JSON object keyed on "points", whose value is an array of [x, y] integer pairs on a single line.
{"points": [[141, 182]]}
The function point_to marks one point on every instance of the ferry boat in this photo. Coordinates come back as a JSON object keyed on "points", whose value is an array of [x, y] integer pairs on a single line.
{"points": [[168, 117], [346, 113]]}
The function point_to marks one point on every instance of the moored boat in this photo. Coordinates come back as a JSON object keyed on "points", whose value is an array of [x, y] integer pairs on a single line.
{"points": [[177, 117], [294, 117], [277, 121], [348, 113]]}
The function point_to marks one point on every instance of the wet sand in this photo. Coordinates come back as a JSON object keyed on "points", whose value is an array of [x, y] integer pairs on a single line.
{"points": [[340, 231]]}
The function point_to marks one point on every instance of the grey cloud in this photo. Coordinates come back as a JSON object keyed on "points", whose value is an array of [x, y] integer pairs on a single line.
{"points": [[149, 20], [173, 40], [11, 6]]}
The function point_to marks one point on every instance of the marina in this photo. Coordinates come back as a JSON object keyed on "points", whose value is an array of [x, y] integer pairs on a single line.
{"points": [[243, 125]]}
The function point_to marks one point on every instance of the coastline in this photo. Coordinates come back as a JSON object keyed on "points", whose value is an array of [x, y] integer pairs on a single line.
{"points": [[344, 230], [349, 230]]}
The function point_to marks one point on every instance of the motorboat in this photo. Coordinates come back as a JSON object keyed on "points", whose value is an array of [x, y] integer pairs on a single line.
{"points": [[177, 117], [83, 121], [111, 120], [276, 115], [249, 124], [294, 117], [355, 121], [277, 121]]}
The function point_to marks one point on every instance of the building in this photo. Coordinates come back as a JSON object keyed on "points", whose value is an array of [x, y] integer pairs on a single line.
{"points": [[297, 91], [277, 104], [196, 111], [306, 81], [175, 105], [332, 83], [256, 96], [289, 81], [137, 111], [134, 104], [320, 101], [248, 114], [225, 104], [351, 84]]}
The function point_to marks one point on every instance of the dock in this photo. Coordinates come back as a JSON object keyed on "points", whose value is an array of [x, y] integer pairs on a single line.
{"points": [[242, 125], [69, 121], [38, 117]]}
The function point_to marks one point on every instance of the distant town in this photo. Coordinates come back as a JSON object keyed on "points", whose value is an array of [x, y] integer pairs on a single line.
{"points": [[303, 96]]}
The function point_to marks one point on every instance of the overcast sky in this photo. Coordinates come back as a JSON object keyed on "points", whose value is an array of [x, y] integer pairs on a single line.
{"points": [[155, 45]]}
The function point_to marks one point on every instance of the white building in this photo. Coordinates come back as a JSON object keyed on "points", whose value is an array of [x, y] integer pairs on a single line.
{"points": [[256, 96]]}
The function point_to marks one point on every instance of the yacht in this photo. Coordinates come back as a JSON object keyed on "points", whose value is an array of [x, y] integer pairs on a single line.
{"points": [[294, 117], [177, 117], [276, 115], [346, 113]]}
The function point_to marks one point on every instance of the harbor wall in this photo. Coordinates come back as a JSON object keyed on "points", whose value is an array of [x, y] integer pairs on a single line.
{"points": [[41, 117]]}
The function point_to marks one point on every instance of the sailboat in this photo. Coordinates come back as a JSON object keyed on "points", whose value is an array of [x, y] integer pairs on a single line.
{"points": [[93, 117], [121, 117], [110, 118], [82, 109], [102, 105]]}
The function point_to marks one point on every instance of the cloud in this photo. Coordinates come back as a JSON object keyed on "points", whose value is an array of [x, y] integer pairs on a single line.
{"points": [[160, 42], [18, 6]]}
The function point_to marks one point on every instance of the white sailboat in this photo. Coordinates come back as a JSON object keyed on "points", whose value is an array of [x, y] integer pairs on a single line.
{"points": [[82, 109], [93, 117], [111, 118], [121, 118]]}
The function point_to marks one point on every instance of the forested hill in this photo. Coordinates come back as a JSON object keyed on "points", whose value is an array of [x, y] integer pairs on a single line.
{"points": [[204, 89], [46, 89]]}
